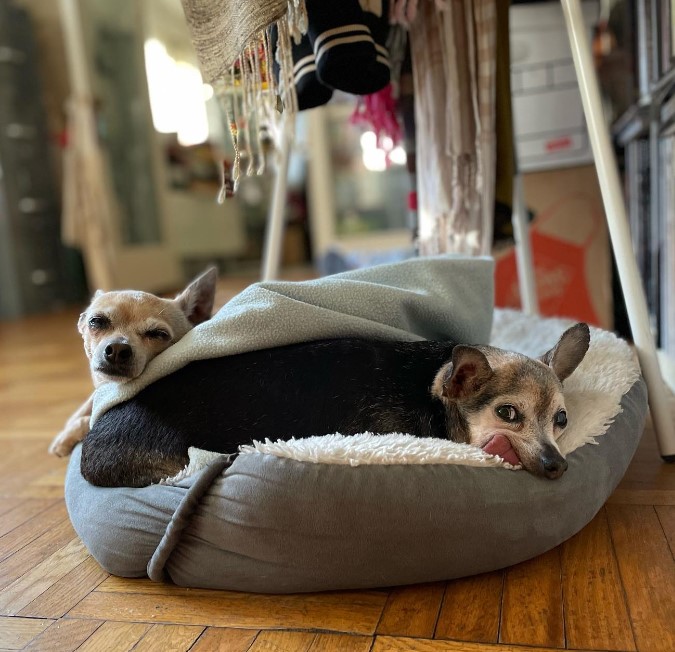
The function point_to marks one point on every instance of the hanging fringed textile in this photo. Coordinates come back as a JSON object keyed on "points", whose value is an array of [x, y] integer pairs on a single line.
{"points": [[453, 55], [221, 30], [89, 204], [233, 44]]}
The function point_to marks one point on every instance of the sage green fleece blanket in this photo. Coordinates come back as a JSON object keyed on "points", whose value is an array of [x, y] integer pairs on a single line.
{"points": [[444, 297]]}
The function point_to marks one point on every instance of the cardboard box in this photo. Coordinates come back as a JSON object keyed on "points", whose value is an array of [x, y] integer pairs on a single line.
{"points": [[570, 247], [548, 115]]}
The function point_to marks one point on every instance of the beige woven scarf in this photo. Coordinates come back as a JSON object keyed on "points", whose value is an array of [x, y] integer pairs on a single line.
{"points": [[221, 30], [232, 41]]}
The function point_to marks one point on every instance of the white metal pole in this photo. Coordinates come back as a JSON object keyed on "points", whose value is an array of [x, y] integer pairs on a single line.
{"points": [[76, 53], [617, 222], [524, 260], [274, 233]]}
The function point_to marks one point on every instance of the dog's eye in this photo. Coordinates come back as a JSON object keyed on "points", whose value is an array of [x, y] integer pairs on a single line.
{"points": [[157, 334], [508, 413], [99, 323], [561, 419]]}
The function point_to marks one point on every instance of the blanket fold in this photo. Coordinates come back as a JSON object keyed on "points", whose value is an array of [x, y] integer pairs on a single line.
{"points": [[444, 297]]}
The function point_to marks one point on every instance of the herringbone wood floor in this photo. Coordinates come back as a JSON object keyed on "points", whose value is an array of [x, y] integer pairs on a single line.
{"points": [[611, 587]]}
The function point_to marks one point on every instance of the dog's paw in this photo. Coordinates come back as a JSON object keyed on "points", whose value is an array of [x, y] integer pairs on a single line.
{"points": [[74, 432], [62, 446]]}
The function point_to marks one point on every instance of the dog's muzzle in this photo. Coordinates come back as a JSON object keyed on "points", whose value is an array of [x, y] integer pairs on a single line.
{"points": [[553, 464], [117, 359]]}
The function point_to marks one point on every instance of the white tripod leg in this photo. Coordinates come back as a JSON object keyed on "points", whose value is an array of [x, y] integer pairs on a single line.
{"points": [[276, 220], [617, 222], [524, 260]]}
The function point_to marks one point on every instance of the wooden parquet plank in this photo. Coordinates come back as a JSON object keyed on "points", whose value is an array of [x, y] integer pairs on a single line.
{"points": [[412, 611], [49, 419], [647, 480], [145, 586], [16, 454], [471, 608], [162, 638], [642, 497], [115, 637], [24, 511], [38, 579], [65, 635], [30, 530], [37, 490], [532, 612], [280, 641], [47, 485], [340, 643], [353, 612], [16, 633], [33, 461], [400, 644], [64, 594], [8, 504], [28, 556], [596, 615], [221, 639], [43, 434], [667, 518], [647, 575], [56, 395]]}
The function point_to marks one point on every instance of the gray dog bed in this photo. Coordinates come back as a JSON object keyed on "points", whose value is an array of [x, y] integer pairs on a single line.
{"points": [[362, 512]]}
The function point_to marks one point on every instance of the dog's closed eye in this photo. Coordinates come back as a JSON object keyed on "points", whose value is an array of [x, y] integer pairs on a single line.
{"points": [[158, 334]]}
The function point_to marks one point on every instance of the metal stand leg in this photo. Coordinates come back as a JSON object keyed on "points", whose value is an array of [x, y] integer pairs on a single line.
{"points": [[617, 222], [276, 219], [524, 261]]}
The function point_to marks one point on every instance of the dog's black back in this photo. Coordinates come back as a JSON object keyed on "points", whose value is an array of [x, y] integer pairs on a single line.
{"points": [[314, 388]]}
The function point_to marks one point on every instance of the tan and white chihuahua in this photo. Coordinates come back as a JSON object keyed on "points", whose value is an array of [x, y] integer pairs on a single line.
{"points": [[123, 331]]}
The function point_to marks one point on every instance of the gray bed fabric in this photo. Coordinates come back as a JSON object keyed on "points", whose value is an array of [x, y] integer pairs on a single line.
{"points": [[275, 525]]}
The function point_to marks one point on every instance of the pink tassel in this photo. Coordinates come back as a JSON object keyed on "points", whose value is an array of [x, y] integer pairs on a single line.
{"points": [[378, 112]]}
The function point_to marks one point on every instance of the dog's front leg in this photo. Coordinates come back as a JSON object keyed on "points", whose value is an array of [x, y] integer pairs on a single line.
{"points": [[74, 431]]}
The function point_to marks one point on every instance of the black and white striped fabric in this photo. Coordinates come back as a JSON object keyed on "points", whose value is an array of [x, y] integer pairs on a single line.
{"points": [[379, 28], [349, 55], [309, 89]]}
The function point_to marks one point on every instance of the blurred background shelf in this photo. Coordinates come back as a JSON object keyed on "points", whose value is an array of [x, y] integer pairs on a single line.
{"points": [[641, 53]]}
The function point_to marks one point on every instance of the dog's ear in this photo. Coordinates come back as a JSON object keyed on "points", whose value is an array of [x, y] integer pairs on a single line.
{"points": [[467, 373], [570, 350], [196, 300]]}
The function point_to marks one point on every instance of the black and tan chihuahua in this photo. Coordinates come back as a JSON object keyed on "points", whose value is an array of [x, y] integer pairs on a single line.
{"points": [[503, 402]]}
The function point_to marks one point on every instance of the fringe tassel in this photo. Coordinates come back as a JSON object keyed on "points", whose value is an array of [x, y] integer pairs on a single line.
{"points": [[253, 100]]}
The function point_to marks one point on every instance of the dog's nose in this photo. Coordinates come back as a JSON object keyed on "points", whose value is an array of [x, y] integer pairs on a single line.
{"points": [[118, 353], [553, 463]]}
